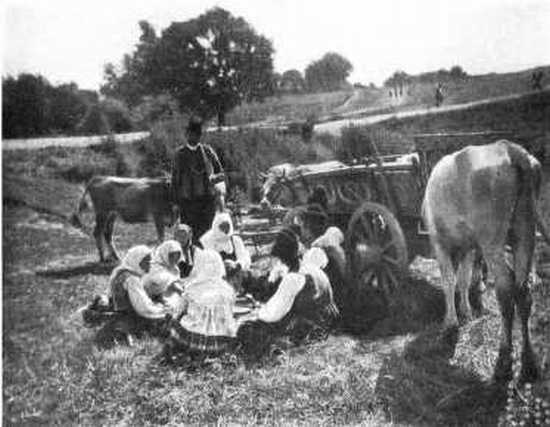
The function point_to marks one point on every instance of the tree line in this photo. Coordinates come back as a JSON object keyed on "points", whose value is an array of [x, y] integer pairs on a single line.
{"points": [[399, 80], [32, 107]]}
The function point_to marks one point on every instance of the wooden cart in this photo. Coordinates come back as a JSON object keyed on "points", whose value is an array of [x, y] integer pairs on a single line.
{"points": [[378, 203]]}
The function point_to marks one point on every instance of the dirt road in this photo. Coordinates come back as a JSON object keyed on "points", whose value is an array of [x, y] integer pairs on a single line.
{"points": [[69, 141], [335, 127]]}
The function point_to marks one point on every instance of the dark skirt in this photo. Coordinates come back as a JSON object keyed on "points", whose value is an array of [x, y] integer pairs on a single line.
{"points": [[180, 339]]}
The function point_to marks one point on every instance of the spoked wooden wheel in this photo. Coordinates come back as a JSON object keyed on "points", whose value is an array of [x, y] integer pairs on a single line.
{"points": [[376, 249]]}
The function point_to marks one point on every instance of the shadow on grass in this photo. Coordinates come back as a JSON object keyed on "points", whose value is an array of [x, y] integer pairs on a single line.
{"points": [[414, 306], [422, 387], [66, 272]]}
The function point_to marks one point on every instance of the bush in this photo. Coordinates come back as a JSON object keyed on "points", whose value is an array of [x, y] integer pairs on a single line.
{"points": [[244, 154], [105, 158], [357, 142]]}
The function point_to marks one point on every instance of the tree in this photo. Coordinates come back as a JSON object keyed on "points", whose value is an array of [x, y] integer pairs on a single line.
{"points": [[292, 81], [457, 73], [67, 107], [209, 65], [25, 106], [328, 73], [398, 81]]}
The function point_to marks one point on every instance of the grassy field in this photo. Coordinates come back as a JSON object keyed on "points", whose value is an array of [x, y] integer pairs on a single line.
{"points": [[53, 373], [399, 371], [288, 107], [369, 101]]}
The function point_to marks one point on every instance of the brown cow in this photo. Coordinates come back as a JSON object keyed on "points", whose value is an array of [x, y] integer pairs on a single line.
{"points": [[135, 200], [483, 198]]}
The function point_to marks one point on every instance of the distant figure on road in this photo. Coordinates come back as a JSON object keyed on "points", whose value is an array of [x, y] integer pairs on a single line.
{"points": [[536, 79], [198, 181], [439, 95]]}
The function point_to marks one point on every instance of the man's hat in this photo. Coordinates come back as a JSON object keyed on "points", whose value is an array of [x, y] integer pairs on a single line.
{"points": [[194, 124]]}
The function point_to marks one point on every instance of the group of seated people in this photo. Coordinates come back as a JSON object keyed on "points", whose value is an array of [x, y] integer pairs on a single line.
{"points": [[203, 297]]}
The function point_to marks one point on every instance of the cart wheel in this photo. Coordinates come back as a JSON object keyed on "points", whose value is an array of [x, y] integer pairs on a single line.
{"points": [[376, 248]]}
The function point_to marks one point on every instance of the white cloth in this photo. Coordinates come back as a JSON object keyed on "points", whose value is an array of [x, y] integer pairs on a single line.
{"points": [[333, 236], [131, 262], [315, 257], [209, 299], [280, 304], [229, 242], [140, 301], [278, 269], [162, 273]]}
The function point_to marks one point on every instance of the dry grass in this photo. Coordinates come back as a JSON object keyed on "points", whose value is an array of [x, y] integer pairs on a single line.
{"points": [[288, 107], [402, 372]]}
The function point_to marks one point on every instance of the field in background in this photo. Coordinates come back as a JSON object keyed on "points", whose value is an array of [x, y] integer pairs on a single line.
{"points": [[370, 101], [288, 107]]}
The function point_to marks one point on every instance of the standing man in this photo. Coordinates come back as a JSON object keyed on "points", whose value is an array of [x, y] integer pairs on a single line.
{"points": [[198, 181]]}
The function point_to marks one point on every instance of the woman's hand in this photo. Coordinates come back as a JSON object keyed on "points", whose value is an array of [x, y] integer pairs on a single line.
{"points": [[250, 317]]}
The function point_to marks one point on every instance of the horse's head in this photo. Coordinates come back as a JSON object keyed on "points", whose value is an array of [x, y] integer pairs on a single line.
{"points": [[274, 183]]}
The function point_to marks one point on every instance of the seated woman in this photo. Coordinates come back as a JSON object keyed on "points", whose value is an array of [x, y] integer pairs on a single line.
{"points": [[164, 272], [135, 311], [331, 242], [183, 233], [207, 325], [303, 303], [222, 239]]}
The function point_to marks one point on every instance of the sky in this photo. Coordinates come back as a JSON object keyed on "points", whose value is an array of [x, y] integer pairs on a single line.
{"points": [[71, 40]]}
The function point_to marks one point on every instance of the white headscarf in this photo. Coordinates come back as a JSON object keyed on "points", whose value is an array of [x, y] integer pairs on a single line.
{"points": [[131, 261], [161, 256], [162, 273], [208, 275], [209, 265], [332, 237], [313, 262], [215, 238], [314, 257]]}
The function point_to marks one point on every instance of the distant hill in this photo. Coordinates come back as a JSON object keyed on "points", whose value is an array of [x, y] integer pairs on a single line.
{"points": [[369, 101]]}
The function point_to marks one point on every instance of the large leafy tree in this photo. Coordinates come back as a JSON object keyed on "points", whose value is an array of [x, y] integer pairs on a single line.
{"points": [[208, 65], [328, 73]]}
